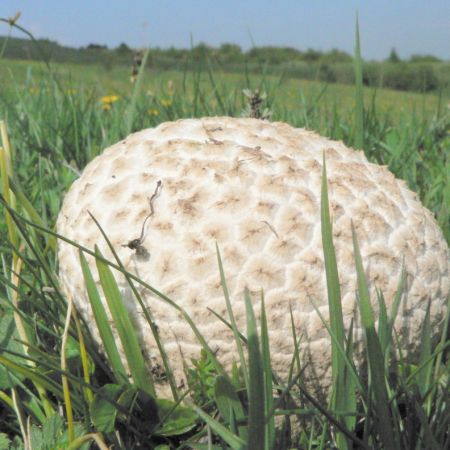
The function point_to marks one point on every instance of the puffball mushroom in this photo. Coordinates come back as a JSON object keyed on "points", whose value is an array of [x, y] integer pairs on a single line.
{"points": [[253, 187]]}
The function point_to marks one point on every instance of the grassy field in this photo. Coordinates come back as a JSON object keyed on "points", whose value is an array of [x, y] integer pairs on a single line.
{"points": [[56, 391], [290, 93]]}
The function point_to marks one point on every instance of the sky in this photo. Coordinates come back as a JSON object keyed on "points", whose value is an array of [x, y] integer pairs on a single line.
{"points": [[409, 26]]}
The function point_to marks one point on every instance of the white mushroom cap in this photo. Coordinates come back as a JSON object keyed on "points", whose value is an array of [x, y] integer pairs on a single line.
{"points": [[252, 187]]}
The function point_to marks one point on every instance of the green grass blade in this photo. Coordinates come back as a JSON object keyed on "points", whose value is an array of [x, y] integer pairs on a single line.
{"points": [[256, 394], [427, 437], [125, 328], [216, 92], [331, 419], [242, 338], [131, 110], [101, 319], [396, 303], [351, 401], [424, 376], [37, 378], [236, 333], [343, 351], [359, 93], [440, 364], [383, 322], [386, 429], [33, 246], [229, 405], [296, 356], [343, 395], [333, 286], [386, 323], [235, 442], [30, 211], [268, 384]]}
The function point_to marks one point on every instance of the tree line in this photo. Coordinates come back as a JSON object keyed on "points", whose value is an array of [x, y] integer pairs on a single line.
{"points": [[418, 73]]}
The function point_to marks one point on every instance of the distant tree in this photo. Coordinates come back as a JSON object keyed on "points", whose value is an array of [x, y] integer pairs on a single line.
{"points": [[230, 52], [411, 77], [274, 55], [123, 50], [311, 55], [96, 47], [393, 57], [425, 78], [335, 56], [201, 51], [175, 53], [424, 59]]}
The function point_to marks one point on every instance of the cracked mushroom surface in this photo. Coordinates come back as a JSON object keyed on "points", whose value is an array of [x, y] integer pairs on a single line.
{"points": [[253, 187]]}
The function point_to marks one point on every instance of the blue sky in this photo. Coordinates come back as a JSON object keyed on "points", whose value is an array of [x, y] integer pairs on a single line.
{"points": [[411, 26]]}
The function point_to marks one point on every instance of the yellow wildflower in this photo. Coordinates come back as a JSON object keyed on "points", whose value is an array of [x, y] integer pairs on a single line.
{"points": [[166, 102], [153, 112], [107, 101]]}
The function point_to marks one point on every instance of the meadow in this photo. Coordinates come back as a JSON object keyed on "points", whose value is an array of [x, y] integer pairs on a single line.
{"points": [[57, 391]]}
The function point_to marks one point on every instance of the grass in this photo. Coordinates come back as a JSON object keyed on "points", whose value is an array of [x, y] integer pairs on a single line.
{"points": [[57, 391], [291, 93]]}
